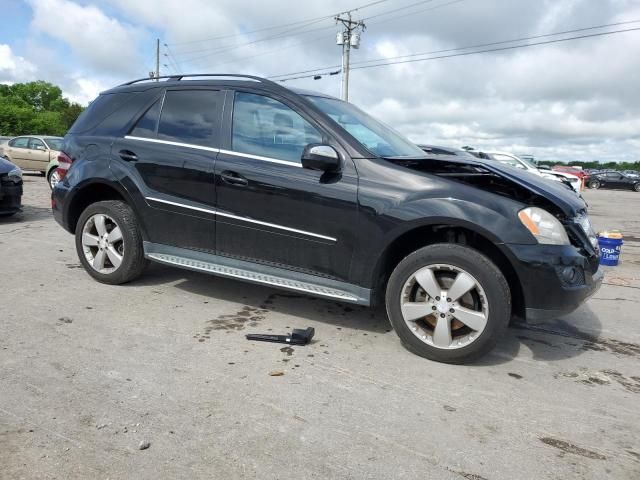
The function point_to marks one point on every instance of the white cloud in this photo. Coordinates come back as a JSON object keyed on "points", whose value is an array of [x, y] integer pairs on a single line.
{"points": [[14, 68], [100, 42], [84, 90]]}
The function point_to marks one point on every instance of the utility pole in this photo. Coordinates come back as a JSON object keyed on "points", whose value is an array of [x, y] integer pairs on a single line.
{"points": [[157, 59], [349, 37]]}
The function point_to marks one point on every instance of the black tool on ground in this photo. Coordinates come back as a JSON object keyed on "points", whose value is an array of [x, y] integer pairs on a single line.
{"points": [[297, 337]]}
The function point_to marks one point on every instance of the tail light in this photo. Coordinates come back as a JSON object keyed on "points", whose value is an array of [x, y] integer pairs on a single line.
{"points": [[64, 164]]}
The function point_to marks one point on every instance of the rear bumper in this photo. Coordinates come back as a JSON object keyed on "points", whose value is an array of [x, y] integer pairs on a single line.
{"points": [[58, 195], [10, 198], [547, 293]]}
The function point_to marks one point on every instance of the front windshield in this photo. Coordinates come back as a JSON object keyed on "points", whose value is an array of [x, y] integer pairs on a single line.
{"points": [[528, 162], [54, 143], [374, 135]]}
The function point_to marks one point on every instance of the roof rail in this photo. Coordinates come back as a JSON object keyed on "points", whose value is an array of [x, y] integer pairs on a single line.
{"points": [[180, 77]]}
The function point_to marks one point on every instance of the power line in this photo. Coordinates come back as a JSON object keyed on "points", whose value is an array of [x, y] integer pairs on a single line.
{"points": [[482, 45], [275, 27], [404, 7], [270, 52], [415, 12], [321, 71], [225, 48], [513, 47], [222, 48]]}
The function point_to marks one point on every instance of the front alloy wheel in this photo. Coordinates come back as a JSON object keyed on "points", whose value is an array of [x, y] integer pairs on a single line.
{"points": [[448, 302], [444, 306]]}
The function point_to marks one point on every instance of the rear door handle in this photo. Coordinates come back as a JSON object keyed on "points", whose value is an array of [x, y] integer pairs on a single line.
{"points": [[233, 178], [128, 156]]}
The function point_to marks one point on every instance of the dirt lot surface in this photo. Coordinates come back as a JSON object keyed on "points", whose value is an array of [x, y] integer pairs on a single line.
{"points": [[90, 372]]}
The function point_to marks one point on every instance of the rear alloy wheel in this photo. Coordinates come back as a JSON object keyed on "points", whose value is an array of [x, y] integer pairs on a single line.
{"points": [[54, 178], [109, 243], [594, 184], [448, 303]]}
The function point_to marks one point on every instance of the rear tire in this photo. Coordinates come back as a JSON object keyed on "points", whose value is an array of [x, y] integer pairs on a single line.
{"points": [[472, 322], [109, 242], [53, 178]]}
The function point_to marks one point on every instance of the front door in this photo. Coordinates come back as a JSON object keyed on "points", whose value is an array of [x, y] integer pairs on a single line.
{"points": [[169, 157], [270, 209], [38, 154]]}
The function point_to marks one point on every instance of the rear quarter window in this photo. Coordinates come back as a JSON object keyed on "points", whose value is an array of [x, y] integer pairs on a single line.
{"points": [[112, 113]]}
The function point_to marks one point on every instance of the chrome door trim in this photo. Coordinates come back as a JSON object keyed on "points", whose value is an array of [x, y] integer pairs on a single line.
{"points": [[183, 205], [175, 144], [264, 159], [242, 219]]}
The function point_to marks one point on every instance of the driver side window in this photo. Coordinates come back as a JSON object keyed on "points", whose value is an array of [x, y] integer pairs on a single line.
{"points": [[268, 128], [35, 144]]}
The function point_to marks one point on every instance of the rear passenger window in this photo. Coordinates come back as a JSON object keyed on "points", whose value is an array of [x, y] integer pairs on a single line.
{"points": [[21, 142], [146, 126], [265, 127], [191, 116]]}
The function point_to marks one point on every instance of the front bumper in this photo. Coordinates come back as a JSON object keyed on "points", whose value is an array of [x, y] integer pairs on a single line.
{"points": [[10, 198], [546, 292]]}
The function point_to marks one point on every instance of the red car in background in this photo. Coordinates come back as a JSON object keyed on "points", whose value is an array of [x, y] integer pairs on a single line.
{"points": [[572, 170]]}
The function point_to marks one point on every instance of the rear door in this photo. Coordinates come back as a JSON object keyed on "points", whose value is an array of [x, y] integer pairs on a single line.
{"points": [[270, 209], [16, 151], [169, 158]]}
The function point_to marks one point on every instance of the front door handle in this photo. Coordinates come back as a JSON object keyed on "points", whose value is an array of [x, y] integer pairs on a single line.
{"points": [[233, 178], [128, 156]]}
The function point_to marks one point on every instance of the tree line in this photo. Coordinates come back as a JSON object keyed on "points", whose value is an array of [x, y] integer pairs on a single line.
{"points": [[35, 108], [597, 165]]}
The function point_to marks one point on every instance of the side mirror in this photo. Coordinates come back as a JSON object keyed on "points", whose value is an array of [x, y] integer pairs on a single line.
{"points": [[40, 147], [321, 157]]}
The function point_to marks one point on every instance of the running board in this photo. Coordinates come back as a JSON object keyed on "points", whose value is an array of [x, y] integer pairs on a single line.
{"points": [[257, 273]]}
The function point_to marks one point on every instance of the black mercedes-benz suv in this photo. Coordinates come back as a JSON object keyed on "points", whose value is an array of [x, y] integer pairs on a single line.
{"points": [[240, 177]]}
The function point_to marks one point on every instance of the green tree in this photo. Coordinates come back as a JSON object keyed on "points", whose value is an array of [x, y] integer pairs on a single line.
{"points": [[35, 108]]}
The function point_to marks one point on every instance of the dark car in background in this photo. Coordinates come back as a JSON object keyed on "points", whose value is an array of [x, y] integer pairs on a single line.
{"points": [[614, 180], [240, 177], [10, 188]]}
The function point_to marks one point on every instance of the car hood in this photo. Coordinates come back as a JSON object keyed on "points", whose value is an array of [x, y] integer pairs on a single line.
{"points": [[554, 192], [6, 166]]}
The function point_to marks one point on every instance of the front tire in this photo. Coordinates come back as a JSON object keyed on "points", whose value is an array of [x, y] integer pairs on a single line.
{"points": [[636, 187], [109, 243], [594, 184], [448, 303]]}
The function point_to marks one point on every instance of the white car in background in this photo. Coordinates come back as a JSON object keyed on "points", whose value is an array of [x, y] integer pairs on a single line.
{"points": [[521, 163]]}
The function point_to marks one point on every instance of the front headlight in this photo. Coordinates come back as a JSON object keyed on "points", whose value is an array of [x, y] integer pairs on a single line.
{"points": [[585, 224], [545, 227], [15, 175]]}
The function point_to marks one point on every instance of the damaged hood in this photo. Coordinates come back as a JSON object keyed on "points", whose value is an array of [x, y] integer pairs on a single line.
{"points": [[469, 168]]}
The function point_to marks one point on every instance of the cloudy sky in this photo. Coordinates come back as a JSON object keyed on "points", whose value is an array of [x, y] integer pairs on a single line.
{"points": [[571, 100]]}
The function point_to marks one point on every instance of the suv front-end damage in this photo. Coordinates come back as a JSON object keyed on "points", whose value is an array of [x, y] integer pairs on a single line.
{"points": [[556, 275]]}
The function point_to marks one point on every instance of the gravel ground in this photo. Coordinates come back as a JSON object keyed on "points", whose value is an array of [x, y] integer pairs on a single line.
{"points": [[156, 380]]}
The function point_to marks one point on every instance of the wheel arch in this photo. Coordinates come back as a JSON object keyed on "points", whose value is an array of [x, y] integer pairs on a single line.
{"points": [[90, 193], [446, 232]]}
